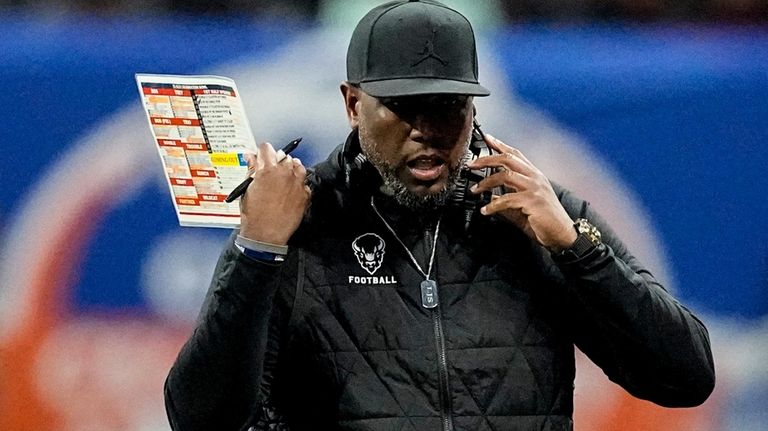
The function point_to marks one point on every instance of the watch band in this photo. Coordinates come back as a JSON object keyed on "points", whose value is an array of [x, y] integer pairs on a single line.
{"points": [[588, 238], [581, 246]]}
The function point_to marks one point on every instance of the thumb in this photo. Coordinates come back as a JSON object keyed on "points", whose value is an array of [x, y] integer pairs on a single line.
{"points": [[250, 160]]}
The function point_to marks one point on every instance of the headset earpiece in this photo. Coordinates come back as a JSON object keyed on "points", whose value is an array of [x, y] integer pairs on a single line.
{"points": [[355, 162]]}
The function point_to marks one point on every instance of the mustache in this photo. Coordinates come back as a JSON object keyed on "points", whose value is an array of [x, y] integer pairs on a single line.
{"points": [[441, 156]]}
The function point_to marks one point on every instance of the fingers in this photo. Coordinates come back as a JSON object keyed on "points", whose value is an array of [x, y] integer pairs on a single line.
{"points": [[507, 161], [515, 171], [298, 168], [504, 148], [267, 155], [509, 201], [507, 157], [268, 165], [250, 160], [510, 180]]}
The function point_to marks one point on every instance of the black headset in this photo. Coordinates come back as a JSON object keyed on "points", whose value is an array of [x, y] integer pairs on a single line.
{"points": [[468, 202]]}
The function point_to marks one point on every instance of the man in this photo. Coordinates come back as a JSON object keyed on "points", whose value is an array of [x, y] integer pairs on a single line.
{"points": [[361, 296]]}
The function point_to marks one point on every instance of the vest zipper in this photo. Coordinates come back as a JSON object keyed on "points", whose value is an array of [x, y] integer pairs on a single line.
{"points": [[442, 369], [442, 362]]}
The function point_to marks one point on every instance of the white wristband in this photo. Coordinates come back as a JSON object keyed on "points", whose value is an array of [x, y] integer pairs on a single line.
{"points": [[261, 246]]}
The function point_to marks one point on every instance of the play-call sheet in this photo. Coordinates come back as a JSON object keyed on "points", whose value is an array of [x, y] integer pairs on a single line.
{"points": [[201, 132]]}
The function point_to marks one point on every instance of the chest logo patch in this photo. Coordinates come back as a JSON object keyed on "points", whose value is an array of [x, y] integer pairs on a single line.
{"points": [[369, 251]]}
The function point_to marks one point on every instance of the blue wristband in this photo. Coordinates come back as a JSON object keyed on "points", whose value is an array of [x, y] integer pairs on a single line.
{"points": [[263, 256]]}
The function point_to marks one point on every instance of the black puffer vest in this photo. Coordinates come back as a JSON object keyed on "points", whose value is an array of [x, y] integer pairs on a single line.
{"points": [[353, 343]]}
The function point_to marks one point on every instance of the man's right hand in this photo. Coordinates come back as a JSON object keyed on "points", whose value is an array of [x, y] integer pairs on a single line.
{"points": [[274, 204]]}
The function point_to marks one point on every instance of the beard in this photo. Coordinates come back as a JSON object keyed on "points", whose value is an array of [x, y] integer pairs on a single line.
{"points": [[393, 186]]}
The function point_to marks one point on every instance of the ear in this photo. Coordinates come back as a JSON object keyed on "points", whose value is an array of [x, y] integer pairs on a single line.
{"points": [[351, 96]]}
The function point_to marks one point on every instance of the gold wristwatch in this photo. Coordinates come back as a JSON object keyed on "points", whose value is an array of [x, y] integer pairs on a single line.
{"points": [[588, 238]]}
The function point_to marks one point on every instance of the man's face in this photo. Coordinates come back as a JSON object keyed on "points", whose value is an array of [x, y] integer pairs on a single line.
{"points": [[416, 142]]}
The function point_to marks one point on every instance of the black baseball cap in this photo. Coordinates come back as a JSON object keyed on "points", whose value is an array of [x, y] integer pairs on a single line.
{"points": [[405, 48]]}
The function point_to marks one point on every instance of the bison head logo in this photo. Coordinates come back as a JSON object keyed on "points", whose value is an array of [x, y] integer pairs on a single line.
{"points": [[369, 250]]}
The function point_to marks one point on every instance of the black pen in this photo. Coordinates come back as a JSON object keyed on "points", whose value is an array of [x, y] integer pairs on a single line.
{"points": [[281, 154]]}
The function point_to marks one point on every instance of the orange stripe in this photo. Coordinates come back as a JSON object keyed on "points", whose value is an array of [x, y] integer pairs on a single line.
{"points": [[21, 408]]}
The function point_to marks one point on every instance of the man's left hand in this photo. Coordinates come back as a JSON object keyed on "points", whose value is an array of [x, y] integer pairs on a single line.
{"points": [[529, 202]]}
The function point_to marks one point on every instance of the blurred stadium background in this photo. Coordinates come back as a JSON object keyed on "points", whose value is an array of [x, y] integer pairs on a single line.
{"points": [[656, 111]]}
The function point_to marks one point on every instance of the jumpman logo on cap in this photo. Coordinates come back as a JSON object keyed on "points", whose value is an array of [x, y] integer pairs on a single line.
{"points": [[429, 51]]}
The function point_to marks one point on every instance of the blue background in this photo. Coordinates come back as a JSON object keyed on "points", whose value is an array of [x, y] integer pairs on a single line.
{"points": [[680, 111]]}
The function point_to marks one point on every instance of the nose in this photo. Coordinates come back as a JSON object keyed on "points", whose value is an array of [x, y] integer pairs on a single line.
{"points": [[423, 129], [435, 130]]}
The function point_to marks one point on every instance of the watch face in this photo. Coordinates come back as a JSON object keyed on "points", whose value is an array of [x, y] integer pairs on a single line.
{"points": [[589, 230]]}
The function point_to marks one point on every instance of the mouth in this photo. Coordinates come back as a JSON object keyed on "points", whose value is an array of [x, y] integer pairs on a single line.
{"points": [[426, 168]]}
